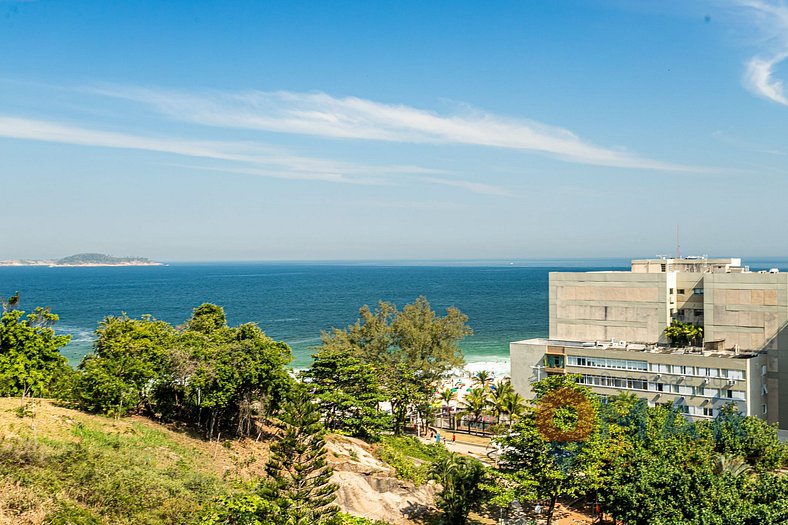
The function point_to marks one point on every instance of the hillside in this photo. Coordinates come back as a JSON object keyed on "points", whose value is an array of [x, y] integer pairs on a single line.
{"points": [[61, 466], [83, 259], [92, 259]]}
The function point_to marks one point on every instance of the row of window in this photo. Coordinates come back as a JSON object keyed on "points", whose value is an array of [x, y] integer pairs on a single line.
{"points": [[613, 382], [700, 371], [680, 291], [601, 362], [724, 393], [640, 384], [628, 364]]}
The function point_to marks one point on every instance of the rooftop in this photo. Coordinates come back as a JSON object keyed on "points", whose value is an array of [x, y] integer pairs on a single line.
{"points": [[690, 263], [624, 346]]}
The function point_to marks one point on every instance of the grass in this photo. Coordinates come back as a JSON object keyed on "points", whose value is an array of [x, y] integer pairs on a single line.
{"points": [[65, 467]]}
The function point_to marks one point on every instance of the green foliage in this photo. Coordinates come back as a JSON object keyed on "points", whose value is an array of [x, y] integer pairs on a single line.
{"points": [[415, 448], [29, 351], [461, 487], [410, 350], [540, 468], [232, 376], [410, 458], [92, 477], [130, 358], [659, 468], [300, 476], [748, 437], [346, 519], [246, 508], [348, 392], [404, 467], [684, 334]]}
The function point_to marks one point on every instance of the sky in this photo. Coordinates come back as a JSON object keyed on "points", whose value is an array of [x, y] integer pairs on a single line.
{"points": [[269, 130]]}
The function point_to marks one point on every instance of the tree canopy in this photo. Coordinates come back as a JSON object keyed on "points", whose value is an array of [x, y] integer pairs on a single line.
{"points": [[228, 374], [29, 350], [410, 349]]}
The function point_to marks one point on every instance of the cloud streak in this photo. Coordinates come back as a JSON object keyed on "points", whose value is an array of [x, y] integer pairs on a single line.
{"points": [[243, 158], [320, 114], [759, 73]]}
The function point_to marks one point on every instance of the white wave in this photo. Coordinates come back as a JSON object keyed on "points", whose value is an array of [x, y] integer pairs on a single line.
{"points": [[500, 367]]}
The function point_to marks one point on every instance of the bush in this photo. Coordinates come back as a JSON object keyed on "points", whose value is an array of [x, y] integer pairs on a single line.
{"points": [[401, 451]]}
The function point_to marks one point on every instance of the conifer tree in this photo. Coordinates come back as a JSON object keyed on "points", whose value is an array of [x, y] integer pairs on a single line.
{"points": [[300, 476]]}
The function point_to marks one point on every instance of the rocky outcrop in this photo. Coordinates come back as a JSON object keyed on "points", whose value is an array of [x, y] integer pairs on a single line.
{"points": [[370, 488]]}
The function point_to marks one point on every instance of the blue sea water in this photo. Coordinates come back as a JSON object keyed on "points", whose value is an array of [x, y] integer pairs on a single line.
{"points": [[294, 302]]}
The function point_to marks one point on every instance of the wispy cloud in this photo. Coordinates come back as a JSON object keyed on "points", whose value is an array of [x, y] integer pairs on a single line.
{"points": [[759, 74], [244, 158], [475, 187], [323, 115]]}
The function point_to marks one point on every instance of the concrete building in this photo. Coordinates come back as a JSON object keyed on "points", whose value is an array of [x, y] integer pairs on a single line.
{"points": [[609, 327]]}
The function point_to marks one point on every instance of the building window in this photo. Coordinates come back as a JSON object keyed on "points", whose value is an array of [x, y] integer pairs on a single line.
{"points": [[663, 369], [708, 412], [764, 408], [698, 291], [601, 362], [680, 291], [698, 313], [554, 361]]}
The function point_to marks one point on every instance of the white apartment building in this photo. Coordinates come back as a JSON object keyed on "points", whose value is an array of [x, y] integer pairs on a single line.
{"points": [[608, 327]]}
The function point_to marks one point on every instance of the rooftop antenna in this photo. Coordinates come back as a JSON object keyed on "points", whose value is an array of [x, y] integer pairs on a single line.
{"points": [[678, 243]]}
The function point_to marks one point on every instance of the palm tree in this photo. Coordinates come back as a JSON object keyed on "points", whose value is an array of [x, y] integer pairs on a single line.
{"points": [[475, 404], [514, 406], [447, 396], [498, 398], [483, 378], [735, 466]]}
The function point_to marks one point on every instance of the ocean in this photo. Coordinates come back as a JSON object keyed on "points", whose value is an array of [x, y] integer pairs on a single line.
{"points": [[293, 302]]}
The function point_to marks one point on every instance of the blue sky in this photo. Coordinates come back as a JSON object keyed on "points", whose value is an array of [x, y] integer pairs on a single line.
{"points": [[385, 130]]}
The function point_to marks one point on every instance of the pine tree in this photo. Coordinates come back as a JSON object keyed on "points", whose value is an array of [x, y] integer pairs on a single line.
{"points": [[300, 477]]}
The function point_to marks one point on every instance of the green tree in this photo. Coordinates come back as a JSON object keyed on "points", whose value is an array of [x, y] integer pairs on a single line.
{"points": [[748, 437], [514, 407], [482, 378], [29, 351], [498, 397], [447, 396], [235, 374], [348, 393], [461, 479], [684, 334], [411, 350], [539, 463], [474, 405], [300, 475], [130, 357]]}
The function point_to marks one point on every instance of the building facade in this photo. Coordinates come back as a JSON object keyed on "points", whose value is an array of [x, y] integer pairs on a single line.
{"points": [[609, 327]]}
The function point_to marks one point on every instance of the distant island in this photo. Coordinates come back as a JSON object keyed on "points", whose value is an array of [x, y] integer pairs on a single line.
{"points": [[83, 259]]}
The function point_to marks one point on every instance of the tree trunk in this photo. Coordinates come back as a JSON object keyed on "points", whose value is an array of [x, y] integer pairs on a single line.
{"points": [[550, 510]]}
